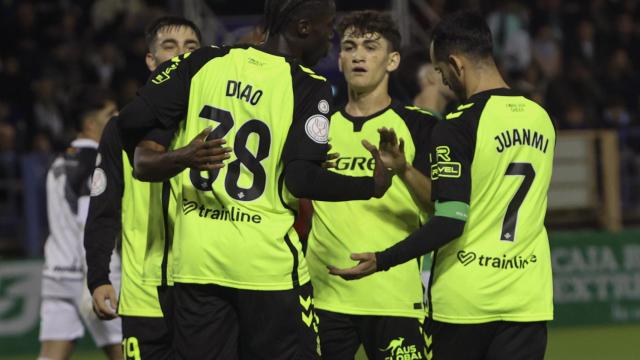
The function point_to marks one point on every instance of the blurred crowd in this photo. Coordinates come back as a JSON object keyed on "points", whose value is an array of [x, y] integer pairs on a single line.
{"points": [[579, 59]]}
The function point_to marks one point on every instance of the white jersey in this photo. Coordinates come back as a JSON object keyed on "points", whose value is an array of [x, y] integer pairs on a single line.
{"points": [[68, 191]]}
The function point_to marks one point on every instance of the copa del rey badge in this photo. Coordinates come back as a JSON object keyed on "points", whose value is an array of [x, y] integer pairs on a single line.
{"points": [[317, 128]]}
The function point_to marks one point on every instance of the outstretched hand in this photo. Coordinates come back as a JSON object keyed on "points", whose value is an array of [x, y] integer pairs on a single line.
{"points": [[392, 151], [331, 157], [381, 176], [367, 265]]}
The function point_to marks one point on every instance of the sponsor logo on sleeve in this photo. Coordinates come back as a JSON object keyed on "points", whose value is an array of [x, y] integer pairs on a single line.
{"points": [[444, 167], [98, 182]]}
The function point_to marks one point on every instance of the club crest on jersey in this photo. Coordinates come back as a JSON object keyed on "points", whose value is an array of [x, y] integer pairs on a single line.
{"points": [[317, 128], [323, 106], [98, 182]]}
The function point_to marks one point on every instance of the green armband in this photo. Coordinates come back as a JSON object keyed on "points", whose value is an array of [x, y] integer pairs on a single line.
{"points": [[453, 209]]}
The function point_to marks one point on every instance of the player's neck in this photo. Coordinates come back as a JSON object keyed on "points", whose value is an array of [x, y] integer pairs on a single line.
{"points": [[430, 99], [484, 79], [365, 103], [279, 45]]}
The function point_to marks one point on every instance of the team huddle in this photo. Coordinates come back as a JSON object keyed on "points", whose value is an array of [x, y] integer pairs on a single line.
{"points": [[202, 176]]}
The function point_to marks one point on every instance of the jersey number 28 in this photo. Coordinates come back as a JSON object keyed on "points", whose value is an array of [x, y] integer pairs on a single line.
{"points": [[243, 155]]}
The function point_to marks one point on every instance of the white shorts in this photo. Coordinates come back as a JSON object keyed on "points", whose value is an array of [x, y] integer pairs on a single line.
{"points": [[64, 318]]}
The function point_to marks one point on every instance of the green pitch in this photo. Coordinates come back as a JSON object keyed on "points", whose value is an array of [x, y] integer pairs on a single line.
{"points": [[583, 343]]}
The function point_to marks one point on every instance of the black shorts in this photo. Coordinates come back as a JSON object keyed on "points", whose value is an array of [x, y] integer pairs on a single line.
{"points": [[217, 322], [499, 340], [145, 338], [165, 297], [383, 337]]}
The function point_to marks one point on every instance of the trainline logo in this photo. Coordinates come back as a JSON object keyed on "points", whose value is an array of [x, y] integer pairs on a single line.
{"points": [[232, 213], [497, 262]]}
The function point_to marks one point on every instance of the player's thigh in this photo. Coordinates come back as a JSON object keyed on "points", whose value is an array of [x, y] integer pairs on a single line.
{"points": [[278, 325], [392, 337], [59, 320], [146, 338], [447, 341], [519, 341], [205, 322], [338, 335]]}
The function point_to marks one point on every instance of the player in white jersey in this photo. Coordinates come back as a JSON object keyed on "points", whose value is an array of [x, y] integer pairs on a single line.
{"points": [[66, 303]]}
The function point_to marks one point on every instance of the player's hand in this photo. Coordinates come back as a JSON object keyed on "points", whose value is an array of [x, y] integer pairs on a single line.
{"points": [[381, 176], [104, 302], [203, 153], [392, 151], [330, 163], [367, 265]]}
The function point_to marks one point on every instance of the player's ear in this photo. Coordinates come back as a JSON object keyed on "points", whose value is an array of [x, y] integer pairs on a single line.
{"points": [[456, 64], [394, 61], [151, 62], [303, 27]]}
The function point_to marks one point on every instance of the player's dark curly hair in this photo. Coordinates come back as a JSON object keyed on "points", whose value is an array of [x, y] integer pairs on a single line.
{"points": [[279, 13], [168, 22], [463, 32], [369, 22]]}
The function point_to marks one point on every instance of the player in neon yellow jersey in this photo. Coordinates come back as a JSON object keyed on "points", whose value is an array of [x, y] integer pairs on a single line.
{"points": [[349, 314], [491, 290]]}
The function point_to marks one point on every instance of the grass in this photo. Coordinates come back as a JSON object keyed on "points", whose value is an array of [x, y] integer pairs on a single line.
{"points": [[620, 342]]}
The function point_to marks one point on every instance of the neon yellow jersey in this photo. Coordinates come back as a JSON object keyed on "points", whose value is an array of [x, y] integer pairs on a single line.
{"points": [[141, 220], [233, 226], [494, 153], [341, 228]]}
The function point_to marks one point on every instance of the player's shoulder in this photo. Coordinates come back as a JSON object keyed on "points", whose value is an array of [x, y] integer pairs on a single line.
{"points": [[413, 115]]}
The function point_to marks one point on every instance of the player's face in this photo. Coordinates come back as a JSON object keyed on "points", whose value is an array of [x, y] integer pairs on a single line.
{"points": [[366, 59], [171, 41], [320, 35], [450, 77]]}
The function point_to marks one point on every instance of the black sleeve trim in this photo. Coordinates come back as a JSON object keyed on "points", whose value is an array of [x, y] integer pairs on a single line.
{"points": [[438, 232], [103, 224], [308, 180]]}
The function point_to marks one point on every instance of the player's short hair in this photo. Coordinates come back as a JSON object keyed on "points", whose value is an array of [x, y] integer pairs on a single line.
{"points": [[279, 13], [463, 32], [86, 100], [168, 22], [369, 22]]}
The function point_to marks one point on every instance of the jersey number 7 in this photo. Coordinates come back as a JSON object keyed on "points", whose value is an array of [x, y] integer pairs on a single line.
{"points": [[243, 155], [511, 217]]}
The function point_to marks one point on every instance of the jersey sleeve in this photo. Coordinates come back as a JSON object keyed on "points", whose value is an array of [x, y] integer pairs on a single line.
{"points": [[166, 93], [420, 124], [308, 135], [451, 156], [103, 222]]}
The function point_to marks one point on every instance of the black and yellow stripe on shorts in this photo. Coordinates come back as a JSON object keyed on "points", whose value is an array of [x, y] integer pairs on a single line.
{"points": [[310, 318]]}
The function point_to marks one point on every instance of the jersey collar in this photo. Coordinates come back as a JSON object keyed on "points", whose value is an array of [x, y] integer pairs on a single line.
{"points": [[359, 121], [84, 143], [494, 92]]}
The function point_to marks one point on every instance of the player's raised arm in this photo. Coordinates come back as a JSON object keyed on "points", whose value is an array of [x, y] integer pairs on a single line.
{"points": [[393, 157], [160, 106], [306, 151]]}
